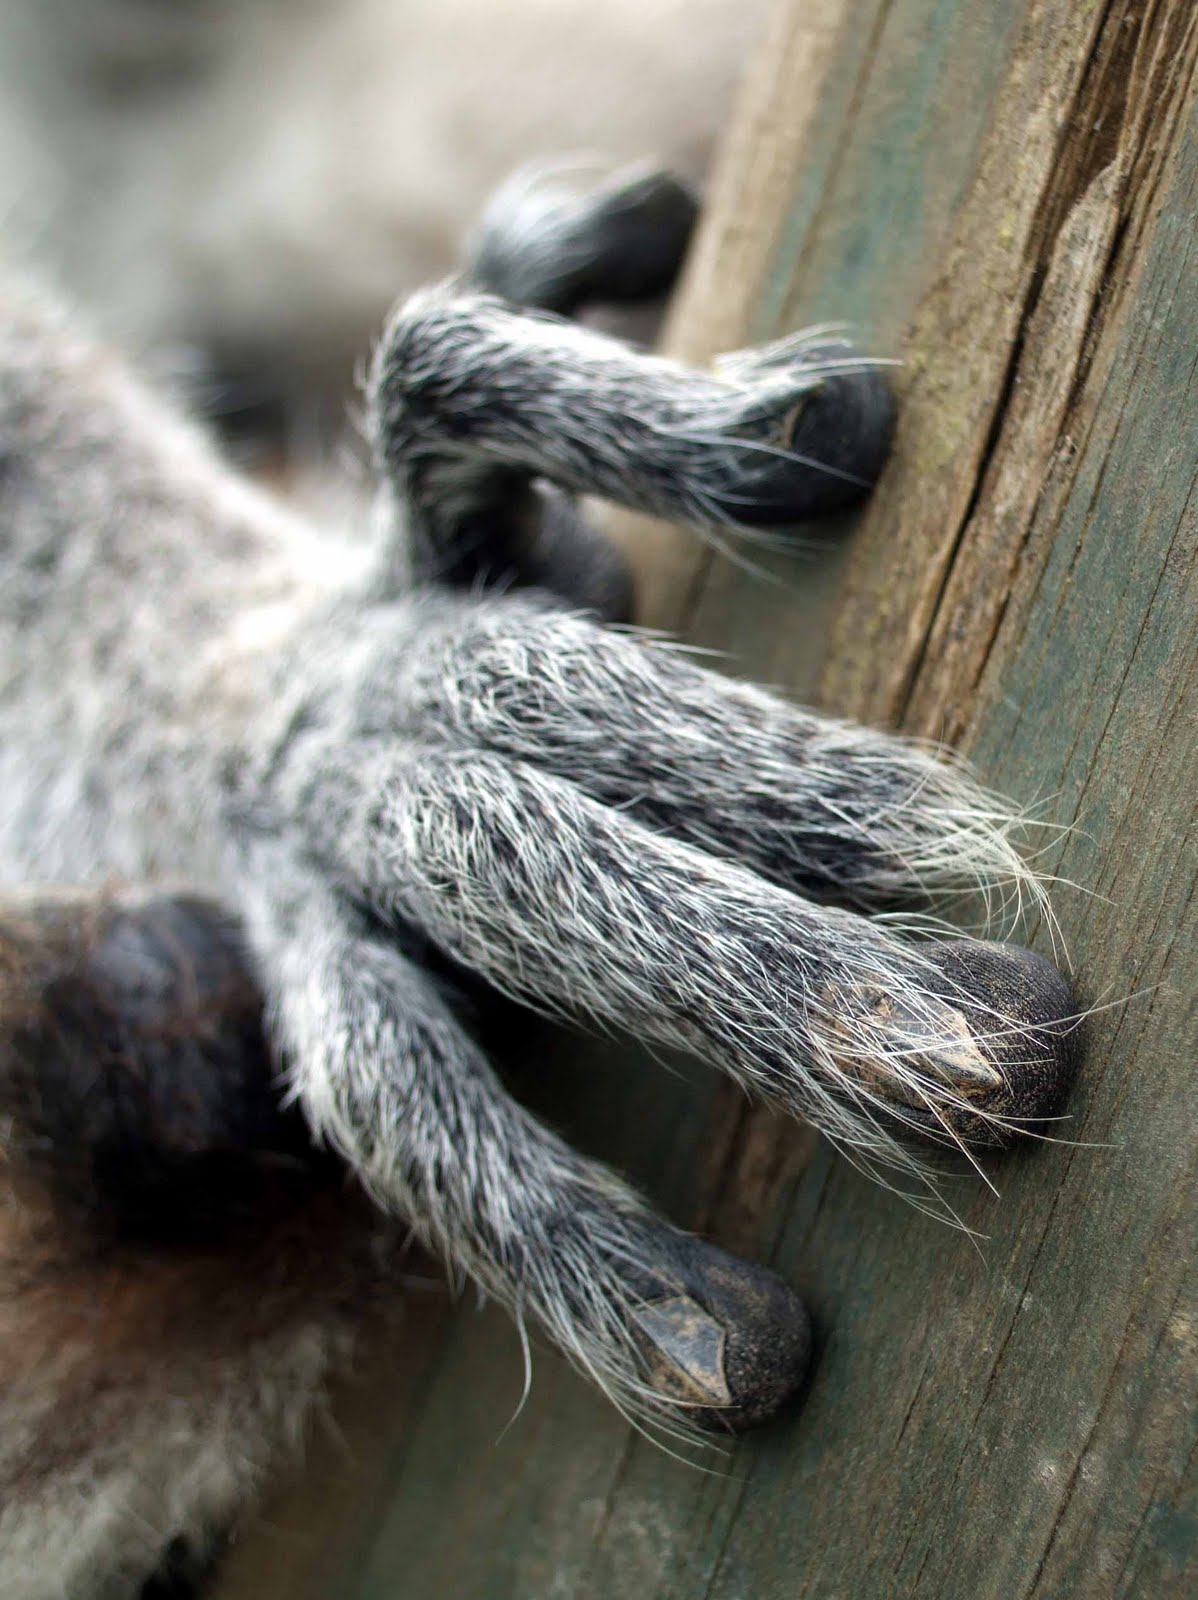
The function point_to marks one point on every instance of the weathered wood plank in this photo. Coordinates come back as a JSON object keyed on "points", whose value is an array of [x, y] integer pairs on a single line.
{"points": [[1007, 197]]}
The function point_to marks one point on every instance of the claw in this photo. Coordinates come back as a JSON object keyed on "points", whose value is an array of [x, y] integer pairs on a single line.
{"points": [[724, 1337], [828, 444]]}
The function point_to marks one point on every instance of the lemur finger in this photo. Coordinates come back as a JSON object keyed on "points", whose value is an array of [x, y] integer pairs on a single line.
{"points": [[665, 1325], [561, 900], [833, 810], [549, 242], [466, 391], [533, 537]]}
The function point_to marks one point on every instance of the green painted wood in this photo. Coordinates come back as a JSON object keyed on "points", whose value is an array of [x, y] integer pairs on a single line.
{"points": [[1012, 189]]}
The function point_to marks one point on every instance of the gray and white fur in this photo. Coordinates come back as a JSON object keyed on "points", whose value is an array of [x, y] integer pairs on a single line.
{"points": [[427, 753]]}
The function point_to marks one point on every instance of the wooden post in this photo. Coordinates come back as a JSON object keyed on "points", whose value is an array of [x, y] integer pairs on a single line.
{"points": [[1004, 196]]}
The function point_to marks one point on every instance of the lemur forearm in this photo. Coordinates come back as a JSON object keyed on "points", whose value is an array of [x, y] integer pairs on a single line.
{"points": [[147, 591]]}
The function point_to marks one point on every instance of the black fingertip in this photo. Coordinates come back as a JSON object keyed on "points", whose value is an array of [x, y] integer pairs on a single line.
{"points": [[543, 246], [723, 1336], [830, 457], [636, 238], [1025, 1019]]}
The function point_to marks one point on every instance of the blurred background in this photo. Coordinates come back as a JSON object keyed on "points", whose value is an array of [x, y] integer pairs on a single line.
{"points": [[237, 190]]}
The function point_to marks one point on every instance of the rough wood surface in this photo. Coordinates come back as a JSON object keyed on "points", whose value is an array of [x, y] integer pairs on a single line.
{"points": [[1006, 196]]}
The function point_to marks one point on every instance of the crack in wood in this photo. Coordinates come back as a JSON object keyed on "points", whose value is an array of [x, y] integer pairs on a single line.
{"points": [[1084, 215]]}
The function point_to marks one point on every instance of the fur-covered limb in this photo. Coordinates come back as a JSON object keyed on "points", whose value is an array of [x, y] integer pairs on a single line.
{"points": [[472, 398], [563, 901], [663, 1323], [829, 808]]}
